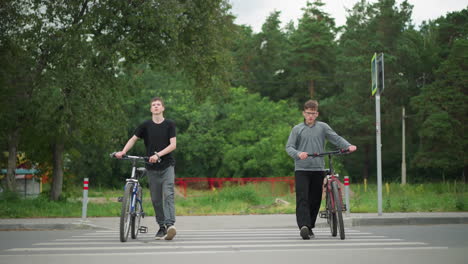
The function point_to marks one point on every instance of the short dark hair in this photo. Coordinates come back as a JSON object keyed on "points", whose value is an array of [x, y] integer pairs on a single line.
{"points": [[311, 104], [157, 99]]}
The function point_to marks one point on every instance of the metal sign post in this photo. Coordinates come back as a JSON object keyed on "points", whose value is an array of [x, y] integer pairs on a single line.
{"points": [[403, 149], [379, 153], [377, 70]]}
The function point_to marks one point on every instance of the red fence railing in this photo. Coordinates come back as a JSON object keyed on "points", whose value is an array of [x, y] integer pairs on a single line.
{"points": [[218, 182]]}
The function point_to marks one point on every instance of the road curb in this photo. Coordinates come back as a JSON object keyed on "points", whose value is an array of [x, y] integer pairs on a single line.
{"points": [[408, 221]]}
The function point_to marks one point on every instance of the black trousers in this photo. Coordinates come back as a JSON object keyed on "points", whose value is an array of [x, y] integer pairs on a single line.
{"points": [[308, 197]]}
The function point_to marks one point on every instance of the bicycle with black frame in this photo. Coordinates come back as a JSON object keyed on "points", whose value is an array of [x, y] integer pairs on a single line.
{"points": [[132, 200], [334, 205]]}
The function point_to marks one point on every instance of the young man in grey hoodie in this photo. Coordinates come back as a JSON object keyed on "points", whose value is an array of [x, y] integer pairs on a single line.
{"points": [[307, 138]]}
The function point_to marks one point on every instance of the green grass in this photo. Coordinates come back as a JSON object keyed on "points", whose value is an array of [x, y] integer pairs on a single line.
{"points": [[430, 197], [247, 199]]}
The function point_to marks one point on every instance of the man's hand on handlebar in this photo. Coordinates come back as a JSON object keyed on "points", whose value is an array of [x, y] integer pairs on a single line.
{"points": [[302, 155], [352, 148], [154, 158], [119, 154]]}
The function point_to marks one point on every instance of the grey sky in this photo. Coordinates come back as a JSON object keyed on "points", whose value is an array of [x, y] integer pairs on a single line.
{"points": [[254, 12]]}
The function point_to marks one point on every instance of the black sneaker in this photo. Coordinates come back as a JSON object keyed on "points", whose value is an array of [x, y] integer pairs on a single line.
{"points": [[161, 233], [305, 232], [171, 232], [311, 234]]}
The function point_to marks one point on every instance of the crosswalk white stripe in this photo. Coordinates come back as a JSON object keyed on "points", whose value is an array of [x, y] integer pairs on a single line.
{"points": [[206, 238], [236, 232], [350, 240], [168, 246], [239, 230], [220, 252], [225, 235], [210, 242]]}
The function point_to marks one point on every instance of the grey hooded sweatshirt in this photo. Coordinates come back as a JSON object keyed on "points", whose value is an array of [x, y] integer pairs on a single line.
{"points": [[312, 140]]}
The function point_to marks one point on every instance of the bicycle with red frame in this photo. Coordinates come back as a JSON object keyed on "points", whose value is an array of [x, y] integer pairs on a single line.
{"points": [[334, 200]]}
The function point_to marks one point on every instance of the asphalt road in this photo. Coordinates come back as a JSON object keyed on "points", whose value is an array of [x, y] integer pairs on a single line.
{"points": [[426, 244]]}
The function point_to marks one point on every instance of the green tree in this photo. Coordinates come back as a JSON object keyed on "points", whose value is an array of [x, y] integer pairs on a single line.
{"points": [[243, 137], [438, 37], [313, 54], [369, 28], [269, 62], [443, 112], [243, 53], [81, 49], [145, 84], [17, 73]]}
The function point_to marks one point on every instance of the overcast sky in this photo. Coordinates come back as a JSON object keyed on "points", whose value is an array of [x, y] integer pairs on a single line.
{"points": [[254, 12]]}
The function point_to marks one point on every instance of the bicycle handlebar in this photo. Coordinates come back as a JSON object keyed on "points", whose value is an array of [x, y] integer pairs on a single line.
{"points": [[129, 157], [336, 152]]}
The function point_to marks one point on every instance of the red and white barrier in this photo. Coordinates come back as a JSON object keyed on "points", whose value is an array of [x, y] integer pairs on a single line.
{"points": [[85, 199], [346, 184]]}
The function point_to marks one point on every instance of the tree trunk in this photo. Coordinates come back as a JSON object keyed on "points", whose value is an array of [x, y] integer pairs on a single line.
{"points": [[11, 167], [57, 175], [311, 89], [464, 173], [365, 172]]}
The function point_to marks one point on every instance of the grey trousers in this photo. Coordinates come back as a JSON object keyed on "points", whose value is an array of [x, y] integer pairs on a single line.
{"points": [[161, 186]]}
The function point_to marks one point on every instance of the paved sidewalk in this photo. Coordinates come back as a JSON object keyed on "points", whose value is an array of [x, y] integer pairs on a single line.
{"points": [[235, 221]]}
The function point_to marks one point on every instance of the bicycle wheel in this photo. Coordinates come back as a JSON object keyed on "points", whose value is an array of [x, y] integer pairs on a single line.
{"points": [[331, 215], [136, 216], [125, 214], [338, 208]]}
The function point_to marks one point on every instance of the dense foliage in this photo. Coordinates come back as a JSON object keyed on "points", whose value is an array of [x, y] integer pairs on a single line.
{"points": [[76, 78]]}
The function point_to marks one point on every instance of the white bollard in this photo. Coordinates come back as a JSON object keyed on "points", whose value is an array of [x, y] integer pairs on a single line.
{"points": [[85, 199], [346, 184]]}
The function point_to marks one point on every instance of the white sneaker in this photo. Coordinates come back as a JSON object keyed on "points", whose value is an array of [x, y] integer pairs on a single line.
{"points": [[171, 232]]}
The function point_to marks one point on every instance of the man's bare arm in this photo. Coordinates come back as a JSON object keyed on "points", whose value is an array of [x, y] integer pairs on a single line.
{"points": [[172, 146], [128, 146]]}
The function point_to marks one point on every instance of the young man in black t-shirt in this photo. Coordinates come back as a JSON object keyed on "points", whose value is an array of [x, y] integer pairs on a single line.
{"points": [[159, 135]]}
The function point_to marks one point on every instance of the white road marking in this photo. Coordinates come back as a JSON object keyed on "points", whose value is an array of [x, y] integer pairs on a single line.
{"points": [[140, 237], [350, 240], [106, 243], [220, 252], [251, 234], [169, 246]]}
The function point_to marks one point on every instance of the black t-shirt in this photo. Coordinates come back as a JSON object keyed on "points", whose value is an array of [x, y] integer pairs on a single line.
{"points": [[157, 137]]}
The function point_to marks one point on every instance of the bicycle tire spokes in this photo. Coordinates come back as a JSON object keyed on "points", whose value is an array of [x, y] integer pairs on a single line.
{"points": [[138, 212], [340, 194], [338, 208], [132, 201], [125, 214], [330, 216], [334, 203]]}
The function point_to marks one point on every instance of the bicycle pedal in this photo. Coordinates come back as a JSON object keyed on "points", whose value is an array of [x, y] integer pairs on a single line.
{"points": [[143, 229], [323, 214], [344, 207], [119, 199]]}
